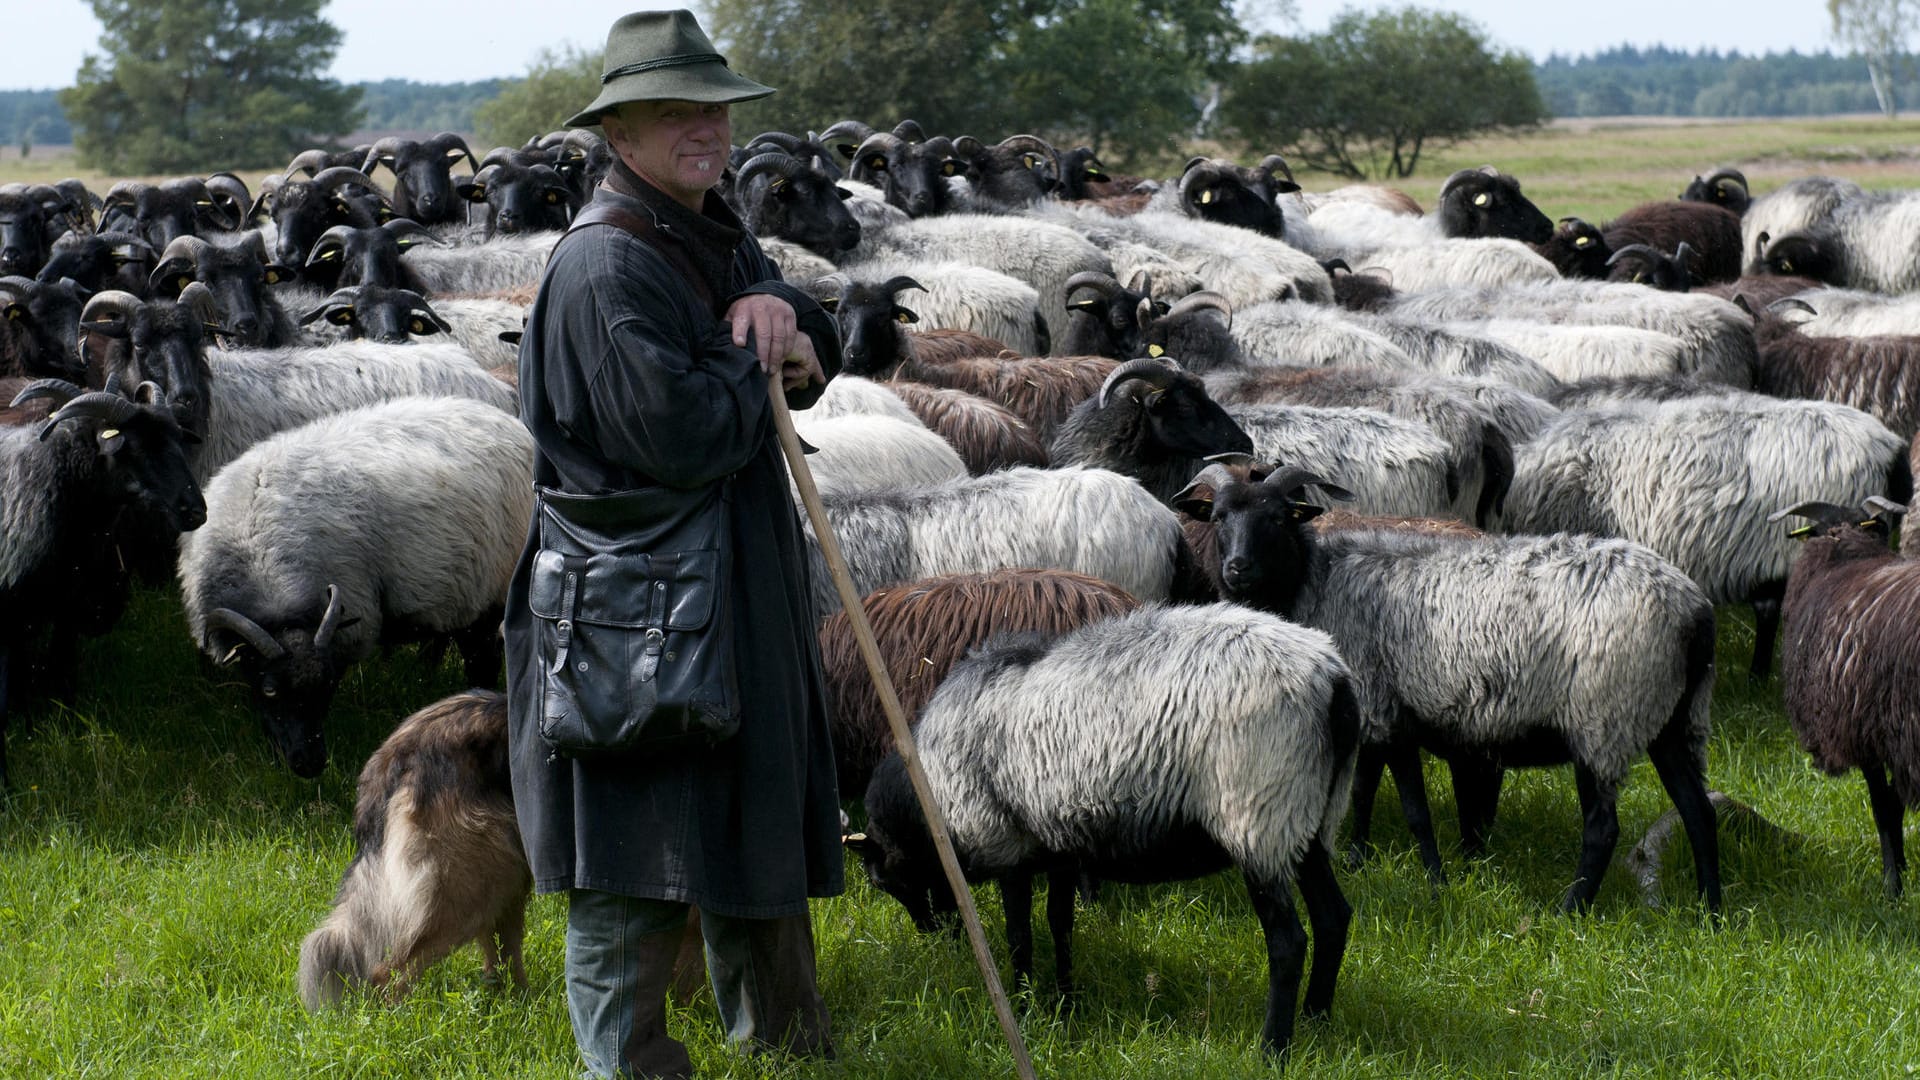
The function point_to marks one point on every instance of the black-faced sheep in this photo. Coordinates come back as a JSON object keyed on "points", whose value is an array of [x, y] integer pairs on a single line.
{"points": [[1640, 264], [1161, 745], [779, 195], [422, 181], [100, 261], [1577, 249], [1849, 664], [237, 275], [39, 328], [1484, 202], [1725, 188], [345, 256], [392, 523], [1490, 653], [1151, 421]]}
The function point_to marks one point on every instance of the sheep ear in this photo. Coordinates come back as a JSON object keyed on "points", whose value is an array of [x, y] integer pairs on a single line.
{"points": [[1196, 501], [1303, 512], [905, 315]]}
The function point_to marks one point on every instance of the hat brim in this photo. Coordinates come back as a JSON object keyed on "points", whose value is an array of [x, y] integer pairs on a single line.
{"points": [[709, 84]]}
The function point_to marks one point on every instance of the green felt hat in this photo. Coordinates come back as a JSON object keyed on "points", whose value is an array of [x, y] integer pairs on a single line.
{"points": [[664, 56]]}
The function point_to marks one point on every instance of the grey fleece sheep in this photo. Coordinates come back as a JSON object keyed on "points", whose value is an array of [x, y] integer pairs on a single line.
{"points": [[380, 525], [1156, 746], [1400, 467], [1491, 653], [490, 266], [1695, 478], [1092, 521], [257, 392]]}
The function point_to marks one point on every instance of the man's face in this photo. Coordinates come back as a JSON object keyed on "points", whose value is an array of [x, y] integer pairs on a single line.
{"points": [[679, 147]]}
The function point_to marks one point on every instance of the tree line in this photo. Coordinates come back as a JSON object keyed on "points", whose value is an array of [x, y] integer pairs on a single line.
{"points": [[189, 85]]}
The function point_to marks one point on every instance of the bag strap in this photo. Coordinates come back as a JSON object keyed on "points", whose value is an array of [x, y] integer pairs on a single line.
{"points": [[648, 232]]}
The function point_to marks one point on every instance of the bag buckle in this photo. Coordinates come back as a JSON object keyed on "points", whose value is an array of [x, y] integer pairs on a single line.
{"points": [[650, 658]]}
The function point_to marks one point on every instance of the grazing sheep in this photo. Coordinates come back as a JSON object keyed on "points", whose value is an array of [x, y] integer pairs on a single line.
{"points": [[1090, 521], [1849, 663], [1694, 479], [437, 860], [924, 627], [378, 526], [1156, 746], [1491, 653]]}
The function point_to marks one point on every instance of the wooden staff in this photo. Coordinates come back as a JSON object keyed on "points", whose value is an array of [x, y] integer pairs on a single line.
{"points": [[896, 717]]}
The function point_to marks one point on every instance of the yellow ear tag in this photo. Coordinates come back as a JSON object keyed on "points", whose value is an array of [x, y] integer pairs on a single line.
{"points": [[1482, 199], [14, 311], [1155, 351], [1029, 160], [1584, 241], [1800, 533], [183, 282], [1298, 513], [273, 277], [553, 197], [329, 255], [1206, 197], [877, 163], [902, 318], [1786, 266], [777, 184], [108, 433], [855, 838]]}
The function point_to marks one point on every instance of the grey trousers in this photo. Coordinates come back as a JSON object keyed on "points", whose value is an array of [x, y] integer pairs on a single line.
{"points": [[620, 961]]}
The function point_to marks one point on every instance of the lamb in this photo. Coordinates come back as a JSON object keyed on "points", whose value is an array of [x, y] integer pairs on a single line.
{"points": [[395, 522], [1090, 521], [1160, 745], [438, 860], [255, 393], [1849, 662], [1869, 373], [1490, 653], [924, 627], [875, 453], [1151, 421], [1693, 479], [64, 487]]}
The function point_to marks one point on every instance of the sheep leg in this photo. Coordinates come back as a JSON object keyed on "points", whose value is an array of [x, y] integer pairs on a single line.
{"points": [[1331, 915], [1411, 780], [1680, 775], [1016, 897], [1476, 793], [1286, 952], [1600, 832], [1367, 770], [480, 648], [1766, 599], [1060, 895], [1889, 815]]}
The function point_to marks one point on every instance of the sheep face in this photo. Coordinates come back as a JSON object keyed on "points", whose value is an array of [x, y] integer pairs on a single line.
{"points": [[237, 276], [1105, 320], [897, 849], [98, 262], [345, 256], [1642, 265], [912, 175], [23, 234], [423, 184], [1481, 203], [1727, 188], [290, 668], [303, 210], [1223, 192], [1260, 528], [520, 198], [778, 195], [146, 459], [1803, 253], [39, 328], [1577, 249], [392, 316], [872, 326], [1079, 169], [168, 349], [1018, 172]]}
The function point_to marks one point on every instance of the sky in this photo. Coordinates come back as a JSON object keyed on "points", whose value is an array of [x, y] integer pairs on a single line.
{"points": [[441, 41]]}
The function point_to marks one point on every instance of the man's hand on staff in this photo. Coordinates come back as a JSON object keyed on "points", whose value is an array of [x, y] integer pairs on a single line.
{"points": [[777, 343]]}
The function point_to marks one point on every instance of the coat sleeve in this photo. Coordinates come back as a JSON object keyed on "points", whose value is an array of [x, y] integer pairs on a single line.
{"points": [[658, 389], [814, 321]]}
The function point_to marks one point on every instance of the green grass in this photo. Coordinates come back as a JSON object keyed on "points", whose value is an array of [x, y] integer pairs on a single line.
{"points": [[160, 869]]}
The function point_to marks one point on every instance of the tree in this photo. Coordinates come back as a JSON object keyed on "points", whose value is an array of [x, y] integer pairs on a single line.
{"points": [[558, 84], [1132, 73], [1879, 29], [190, 85], [1377, 90]]}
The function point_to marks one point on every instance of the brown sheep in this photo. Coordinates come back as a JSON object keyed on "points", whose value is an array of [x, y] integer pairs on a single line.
{"points": [[1873, 374], [988, 437], [1712, 231], [1761, 289], [924, 628]]}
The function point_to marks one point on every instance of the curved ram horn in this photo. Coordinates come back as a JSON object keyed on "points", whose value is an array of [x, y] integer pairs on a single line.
{"points": [[230, 195], [1456, 179], [1200, 301], [1722, 176], [1191, 162], [16, 285], [60, 391], [1789, 303], [198, 298], [306, 161], [1275, 164], [1825, 513], [1292, 478], [1144, 312], [1636, 249], [1880, 504], [1104, 284], [106, 313], [845, 135], [778, 162], [331, 179], [125, 193], [895, 284], [400, 227], [333, 240], [382, 150], [250, 632], [1153, 372], [96, 405], [1033, 143], [329, 620], [968, 147], [910, 131], [449, 141]]}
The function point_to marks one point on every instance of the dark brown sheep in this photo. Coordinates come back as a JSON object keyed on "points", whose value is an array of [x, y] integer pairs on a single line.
{"points": [[438, 860], [947, 346], [1712, 231], [1879, 375], [1851, 661], [987, 436], [1761, 289], [924, 628], [1040, 390]]}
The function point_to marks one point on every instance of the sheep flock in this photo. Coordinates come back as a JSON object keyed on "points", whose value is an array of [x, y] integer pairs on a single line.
{"points": [[1184, 507]]}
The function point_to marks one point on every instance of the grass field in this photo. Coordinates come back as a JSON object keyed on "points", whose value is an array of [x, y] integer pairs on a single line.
{"points": [[158, 869]]}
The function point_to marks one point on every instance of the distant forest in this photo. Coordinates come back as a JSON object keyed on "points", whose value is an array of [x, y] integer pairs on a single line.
{"points": [[1622, 81]]}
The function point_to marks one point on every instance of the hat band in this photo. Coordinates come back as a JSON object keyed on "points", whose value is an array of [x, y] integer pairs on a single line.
{"points": [[663, 62]]}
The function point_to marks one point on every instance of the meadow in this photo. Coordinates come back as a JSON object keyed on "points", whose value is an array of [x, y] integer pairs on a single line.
{"points": [[158, 869]]}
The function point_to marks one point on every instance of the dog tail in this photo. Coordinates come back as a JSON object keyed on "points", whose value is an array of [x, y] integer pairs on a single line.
{"points": [[376, 915]]}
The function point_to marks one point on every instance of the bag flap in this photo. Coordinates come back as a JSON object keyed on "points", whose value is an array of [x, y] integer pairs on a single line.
{"points": [[626, 591]]}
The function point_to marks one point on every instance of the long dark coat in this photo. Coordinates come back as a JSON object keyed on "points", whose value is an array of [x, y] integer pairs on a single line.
{"points": [[627, 379]]}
